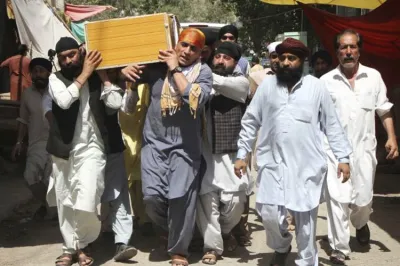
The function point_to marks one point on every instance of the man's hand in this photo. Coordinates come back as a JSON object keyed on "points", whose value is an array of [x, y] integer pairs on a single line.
{"points": [[16, 151], [170, 58], [240, 168], [392, 149], [344, 169], [132, 72], [92, 61]]}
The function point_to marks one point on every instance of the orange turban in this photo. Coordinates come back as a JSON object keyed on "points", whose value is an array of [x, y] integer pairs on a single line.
{"points": [[193, 37]]}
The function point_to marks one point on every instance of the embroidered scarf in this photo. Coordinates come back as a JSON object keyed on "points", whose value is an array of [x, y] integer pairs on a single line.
{"points": [[171, 100]]}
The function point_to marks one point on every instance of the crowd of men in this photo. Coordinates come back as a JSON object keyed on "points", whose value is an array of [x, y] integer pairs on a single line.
{"points": [[193, 126]]}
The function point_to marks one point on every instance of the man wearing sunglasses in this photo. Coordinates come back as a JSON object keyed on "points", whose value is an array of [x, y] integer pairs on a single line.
{"points": [[171, 147], [230, 33], [293, 112]]}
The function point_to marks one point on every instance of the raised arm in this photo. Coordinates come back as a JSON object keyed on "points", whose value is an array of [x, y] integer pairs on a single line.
{"points": [[235, 88]]}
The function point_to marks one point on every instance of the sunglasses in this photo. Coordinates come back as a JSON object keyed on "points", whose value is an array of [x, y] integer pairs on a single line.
{"points": [[228, 38]]}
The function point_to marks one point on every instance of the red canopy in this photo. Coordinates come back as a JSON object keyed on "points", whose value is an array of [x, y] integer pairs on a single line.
{"points": [[81, 12], [380, 30]]}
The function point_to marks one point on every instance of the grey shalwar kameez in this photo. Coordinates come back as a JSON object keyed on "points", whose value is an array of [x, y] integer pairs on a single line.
{"points": [[171, 157]]}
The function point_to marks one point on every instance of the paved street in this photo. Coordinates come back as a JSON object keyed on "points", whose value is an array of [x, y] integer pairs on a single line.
{"points": [[32, 243]]}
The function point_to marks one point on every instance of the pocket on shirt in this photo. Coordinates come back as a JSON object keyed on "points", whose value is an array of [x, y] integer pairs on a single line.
{"points": [[367, 101], [302, 115]]}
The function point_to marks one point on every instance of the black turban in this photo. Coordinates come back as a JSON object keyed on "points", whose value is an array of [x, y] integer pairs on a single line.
{"points": [[43, 62], [228, 29], [65, 44], [210, 39], [229, 48]]}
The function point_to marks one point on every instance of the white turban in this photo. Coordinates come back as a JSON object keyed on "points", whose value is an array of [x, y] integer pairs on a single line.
{"points": [[272, 46]]}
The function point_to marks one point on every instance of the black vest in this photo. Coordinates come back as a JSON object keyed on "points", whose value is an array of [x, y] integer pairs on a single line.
{"points": [[226, 115], [62, 128]]}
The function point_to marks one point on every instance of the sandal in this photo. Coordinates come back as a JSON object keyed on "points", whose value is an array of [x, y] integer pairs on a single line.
{"points": [[84, 258], [210, 257], [230, 242], [177, 260], [337, 257], [244, 241], [279, 259], [65, 259]]}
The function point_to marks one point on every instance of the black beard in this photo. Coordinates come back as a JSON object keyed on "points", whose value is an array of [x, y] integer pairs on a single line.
{"points": [[222, 70], [72, 71], [40, 83], [287, 75]]}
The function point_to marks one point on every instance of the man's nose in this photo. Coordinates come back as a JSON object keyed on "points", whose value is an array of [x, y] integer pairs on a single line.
{"points": [[286, 62]]}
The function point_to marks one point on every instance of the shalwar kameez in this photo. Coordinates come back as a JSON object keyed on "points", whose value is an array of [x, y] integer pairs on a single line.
{"points": [[291, 158], [222, 196], [356, 107]]}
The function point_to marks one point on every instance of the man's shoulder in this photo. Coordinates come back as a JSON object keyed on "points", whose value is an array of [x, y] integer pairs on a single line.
{"points": [[205, 70], [369, 71], [330, 74]]}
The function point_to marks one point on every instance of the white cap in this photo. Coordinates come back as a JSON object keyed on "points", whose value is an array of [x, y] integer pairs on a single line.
{"points": [[272, 46]]}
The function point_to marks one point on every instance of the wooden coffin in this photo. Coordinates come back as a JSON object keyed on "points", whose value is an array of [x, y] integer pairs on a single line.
{"points": [[124, 41]]}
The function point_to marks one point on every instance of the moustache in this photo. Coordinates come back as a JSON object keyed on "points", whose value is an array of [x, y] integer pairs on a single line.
{"points": [[348, 59]]}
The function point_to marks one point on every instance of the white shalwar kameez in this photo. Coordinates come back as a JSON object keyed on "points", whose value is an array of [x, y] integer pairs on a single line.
{"points": [[356, 110], [222, 195], [78, 182], [291, 158]]}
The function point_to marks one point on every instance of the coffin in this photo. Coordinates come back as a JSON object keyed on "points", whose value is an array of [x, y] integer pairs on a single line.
{"points": [[137, 40]]}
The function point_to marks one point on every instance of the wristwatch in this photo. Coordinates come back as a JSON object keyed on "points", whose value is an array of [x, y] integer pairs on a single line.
{"points": [[177, 69]]}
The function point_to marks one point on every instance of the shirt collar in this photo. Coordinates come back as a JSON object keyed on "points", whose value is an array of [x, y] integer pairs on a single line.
{"points": [[361, 72]]}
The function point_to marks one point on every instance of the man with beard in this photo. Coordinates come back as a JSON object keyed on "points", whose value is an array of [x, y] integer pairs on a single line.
{"points": [[38, 163], [230, 33], [292, 112], [357, 92], [321, 62], [84, 130], [222, 196], [171, 147]]}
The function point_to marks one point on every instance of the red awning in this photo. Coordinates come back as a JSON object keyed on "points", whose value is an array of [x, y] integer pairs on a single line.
{"points": [[82, 12]]}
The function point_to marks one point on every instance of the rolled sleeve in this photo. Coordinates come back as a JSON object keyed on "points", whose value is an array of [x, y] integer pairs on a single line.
{"points": [[241, 154], [382, 105], [112, 96], [344, 160]]}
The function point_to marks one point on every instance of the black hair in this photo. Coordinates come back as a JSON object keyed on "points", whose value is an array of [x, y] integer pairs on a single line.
{"points": [[324, 55], [255, 59], [348, 31], [22, 49]]}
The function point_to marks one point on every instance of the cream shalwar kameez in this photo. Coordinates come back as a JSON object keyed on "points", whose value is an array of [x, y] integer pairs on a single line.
{"points": [[356, 109], [222, 196], [78, 182], [291, 158]]}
